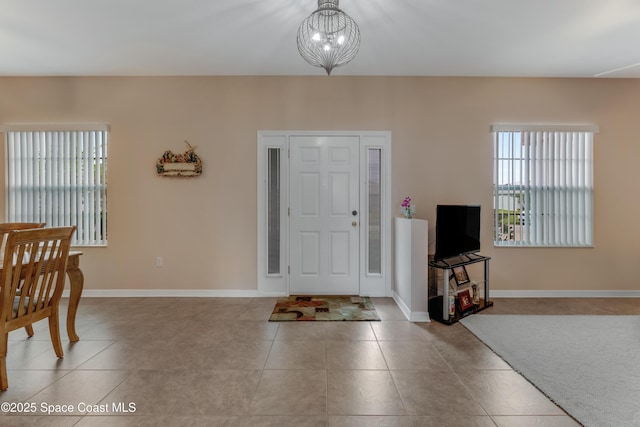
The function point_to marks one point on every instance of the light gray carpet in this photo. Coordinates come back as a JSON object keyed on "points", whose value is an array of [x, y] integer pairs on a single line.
{"points": [[588, 365]]}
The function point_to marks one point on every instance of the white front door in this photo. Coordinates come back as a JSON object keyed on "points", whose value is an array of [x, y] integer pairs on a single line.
{"points": [[325, 215]]}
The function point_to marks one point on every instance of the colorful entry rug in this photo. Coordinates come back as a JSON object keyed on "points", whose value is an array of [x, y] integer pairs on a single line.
{"points": [[323, 308]]}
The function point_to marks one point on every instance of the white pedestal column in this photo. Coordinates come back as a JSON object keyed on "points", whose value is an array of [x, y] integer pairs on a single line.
{"points": [[410, 291]]}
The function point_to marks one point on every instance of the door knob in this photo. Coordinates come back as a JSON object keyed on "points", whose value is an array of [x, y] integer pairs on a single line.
{"points": [[354, 223]]}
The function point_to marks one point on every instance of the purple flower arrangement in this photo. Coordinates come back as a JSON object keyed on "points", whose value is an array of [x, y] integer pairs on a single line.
{"points": [[407, 209]]}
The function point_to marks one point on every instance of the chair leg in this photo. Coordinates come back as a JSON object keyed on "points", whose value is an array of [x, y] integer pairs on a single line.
{"points": [[54, 331], [4, 341], [29, 329]]}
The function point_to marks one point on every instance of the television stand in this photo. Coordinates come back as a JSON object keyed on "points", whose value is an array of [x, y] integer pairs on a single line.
{"points": [[439, 304]]}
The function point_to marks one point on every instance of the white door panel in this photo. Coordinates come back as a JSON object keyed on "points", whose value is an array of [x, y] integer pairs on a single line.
{"points": [[340, 197], [340, 253], [310, 253], [324, 233], [309, 197]]}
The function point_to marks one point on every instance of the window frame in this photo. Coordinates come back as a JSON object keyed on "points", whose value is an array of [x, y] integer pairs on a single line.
{"points": [[57, 208], [527, 196]]}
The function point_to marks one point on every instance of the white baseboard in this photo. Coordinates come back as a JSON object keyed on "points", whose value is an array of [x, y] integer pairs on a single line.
{"points": [[564, 294], [412, 316], [200, 293], [190, 293], [419, 316]]}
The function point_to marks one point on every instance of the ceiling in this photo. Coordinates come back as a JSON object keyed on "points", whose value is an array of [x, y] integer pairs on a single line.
{"points": [[542, 38]]}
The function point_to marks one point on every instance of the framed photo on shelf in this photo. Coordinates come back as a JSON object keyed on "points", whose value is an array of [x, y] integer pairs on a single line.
{"points": [[465, 301], [460, 275]]}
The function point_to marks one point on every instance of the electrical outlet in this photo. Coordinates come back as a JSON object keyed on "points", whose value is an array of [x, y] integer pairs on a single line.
{"points": [[159, 261]]}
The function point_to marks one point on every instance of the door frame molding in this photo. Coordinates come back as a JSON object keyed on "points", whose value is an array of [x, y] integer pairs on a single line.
{"points": [[278, 284]]}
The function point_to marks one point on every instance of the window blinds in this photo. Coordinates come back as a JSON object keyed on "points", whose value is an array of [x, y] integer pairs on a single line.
{"points": [[543, 188], [59, 177]]}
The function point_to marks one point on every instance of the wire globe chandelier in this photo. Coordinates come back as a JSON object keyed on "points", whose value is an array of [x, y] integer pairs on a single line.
{"points": [[328, 38]]}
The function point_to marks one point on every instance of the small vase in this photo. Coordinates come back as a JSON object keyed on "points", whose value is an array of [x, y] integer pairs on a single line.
{"points": [[408, 211]]}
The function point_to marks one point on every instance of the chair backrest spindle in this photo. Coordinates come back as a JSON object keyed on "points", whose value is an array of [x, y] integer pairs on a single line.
{"points": [[6, 227]]}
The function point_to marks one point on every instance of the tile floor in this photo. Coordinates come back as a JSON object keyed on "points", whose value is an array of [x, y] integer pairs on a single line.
{"points": [[219, 362]]}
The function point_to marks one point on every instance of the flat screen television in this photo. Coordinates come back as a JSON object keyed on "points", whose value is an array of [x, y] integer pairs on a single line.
{"points": [[457, 230]]}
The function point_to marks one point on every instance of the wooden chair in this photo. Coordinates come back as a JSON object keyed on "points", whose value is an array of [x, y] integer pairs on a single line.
{"points": [[5, 228], [35, 262]]}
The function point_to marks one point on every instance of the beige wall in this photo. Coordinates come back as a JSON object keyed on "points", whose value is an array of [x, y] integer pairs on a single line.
{"points": [[205, 228]]}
